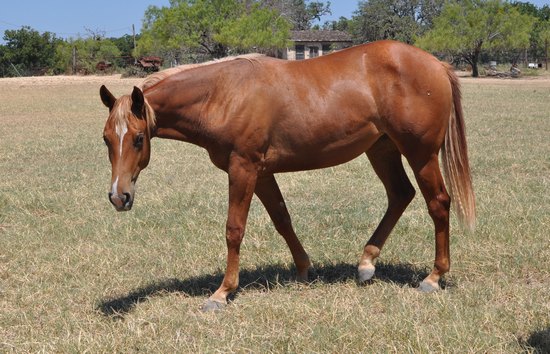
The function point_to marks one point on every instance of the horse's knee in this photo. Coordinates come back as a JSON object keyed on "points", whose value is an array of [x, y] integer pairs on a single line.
{"points": [[234, 235], [439, 207]]}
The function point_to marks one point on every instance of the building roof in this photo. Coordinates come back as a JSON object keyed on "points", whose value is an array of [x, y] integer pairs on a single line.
{"points": [[320, 36]]}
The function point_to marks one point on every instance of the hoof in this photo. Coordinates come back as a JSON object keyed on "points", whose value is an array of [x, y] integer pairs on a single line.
{"points": [[428, 287], [366, 273], [212, 306]]}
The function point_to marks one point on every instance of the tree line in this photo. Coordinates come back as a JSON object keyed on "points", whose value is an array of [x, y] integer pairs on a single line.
{"points": [[470, 31]]}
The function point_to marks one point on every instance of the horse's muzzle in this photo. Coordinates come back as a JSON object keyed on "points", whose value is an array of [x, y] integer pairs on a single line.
{"points": [[121, 202]]}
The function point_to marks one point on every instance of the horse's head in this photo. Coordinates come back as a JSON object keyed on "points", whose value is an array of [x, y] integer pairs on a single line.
{"points": [[127, 135]]}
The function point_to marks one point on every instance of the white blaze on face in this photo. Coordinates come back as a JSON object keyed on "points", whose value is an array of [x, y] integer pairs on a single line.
{"points": [[114, 189], [121, 130]]}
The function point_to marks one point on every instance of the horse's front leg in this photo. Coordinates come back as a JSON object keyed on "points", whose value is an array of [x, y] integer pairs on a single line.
{"points": [[242, 181]]}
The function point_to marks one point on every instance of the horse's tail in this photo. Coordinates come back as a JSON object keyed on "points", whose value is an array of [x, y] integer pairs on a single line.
{"points": [[455, 160]]}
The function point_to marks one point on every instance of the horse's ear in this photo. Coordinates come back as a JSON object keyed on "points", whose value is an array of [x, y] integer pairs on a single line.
{"points": [[107, 97], [137, 100]]}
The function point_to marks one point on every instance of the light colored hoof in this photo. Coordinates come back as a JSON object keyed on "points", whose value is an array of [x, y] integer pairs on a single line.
{"points": [[428, 286], [212, 306], [366, 272]]}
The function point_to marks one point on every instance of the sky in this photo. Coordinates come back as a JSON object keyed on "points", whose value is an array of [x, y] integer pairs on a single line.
{"points": [[72, 18]]}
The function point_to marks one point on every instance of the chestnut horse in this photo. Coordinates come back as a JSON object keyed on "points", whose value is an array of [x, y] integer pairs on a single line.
{"points": [[257, 116]]}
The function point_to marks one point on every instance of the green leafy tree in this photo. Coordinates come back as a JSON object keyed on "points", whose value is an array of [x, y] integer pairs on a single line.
{"points": [[544, 40], [539, 34], [125, 45], [383, 19], [27, 52], [343, 24], [300, 13], [89, 52], [261, 30], [466, 28], [526, 8], [211, 28], [400, 20], [4, 70], [428, 11]]}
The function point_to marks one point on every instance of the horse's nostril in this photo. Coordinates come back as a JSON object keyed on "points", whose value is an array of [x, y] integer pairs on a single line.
{"points": [[125, 198]]}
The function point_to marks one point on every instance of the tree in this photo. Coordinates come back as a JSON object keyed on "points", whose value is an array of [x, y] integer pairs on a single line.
{"points": [[261, 30], [89, 52], [540, 35], [211, 28], [544, 40], [125, 45], [466, 28], [343, 24], [383, 19], [27, 52], [429, 10], [300, 13], [400, 20]]}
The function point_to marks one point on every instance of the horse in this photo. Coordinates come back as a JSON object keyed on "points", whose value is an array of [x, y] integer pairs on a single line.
{"points": [[257, 116]]}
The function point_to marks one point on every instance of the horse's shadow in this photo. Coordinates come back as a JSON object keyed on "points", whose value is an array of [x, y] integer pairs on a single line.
{"points": [[263, 277], [539, 341]]}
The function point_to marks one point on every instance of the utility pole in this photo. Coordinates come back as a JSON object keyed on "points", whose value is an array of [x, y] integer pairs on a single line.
{"points": [[134, 35]]}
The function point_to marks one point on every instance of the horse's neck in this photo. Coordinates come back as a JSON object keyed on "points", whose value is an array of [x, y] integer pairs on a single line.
{"points": [[177, 106]]}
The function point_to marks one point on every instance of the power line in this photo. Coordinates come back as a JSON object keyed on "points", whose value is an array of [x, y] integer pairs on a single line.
{"points": [[10, 24]]}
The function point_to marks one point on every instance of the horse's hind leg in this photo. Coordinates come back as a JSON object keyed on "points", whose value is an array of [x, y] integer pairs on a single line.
{"points": [[429, 178], [270, 196], [386, 161]]}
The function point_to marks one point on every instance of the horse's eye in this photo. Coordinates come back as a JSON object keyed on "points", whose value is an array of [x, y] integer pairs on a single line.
{"points": [[138, 143], [105, 140]]}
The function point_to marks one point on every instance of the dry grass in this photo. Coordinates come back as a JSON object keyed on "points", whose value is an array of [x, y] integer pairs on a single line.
{"points": [[75, 276]]}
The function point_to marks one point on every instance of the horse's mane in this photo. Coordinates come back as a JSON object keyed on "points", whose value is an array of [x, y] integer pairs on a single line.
{"points": [[155, 78]]}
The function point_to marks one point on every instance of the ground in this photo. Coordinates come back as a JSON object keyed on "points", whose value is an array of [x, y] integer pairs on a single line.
{"points": [[75, 276]]}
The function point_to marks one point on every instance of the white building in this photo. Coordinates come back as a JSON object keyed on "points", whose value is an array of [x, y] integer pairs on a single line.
{"points": [[311, 44]]}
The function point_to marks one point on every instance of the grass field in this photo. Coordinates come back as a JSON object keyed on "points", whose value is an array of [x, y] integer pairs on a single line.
{"points": [[75, 276]]}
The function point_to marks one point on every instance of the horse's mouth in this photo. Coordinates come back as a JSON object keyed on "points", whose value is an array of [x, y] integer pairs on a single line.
{"points": [[124, 208], [122, 202]]}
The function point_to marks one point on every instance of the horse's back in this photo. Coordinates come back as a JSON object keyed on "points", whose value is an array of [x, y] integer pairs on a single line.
{"points": [[371, 78], [338, 105], [328, 110]]}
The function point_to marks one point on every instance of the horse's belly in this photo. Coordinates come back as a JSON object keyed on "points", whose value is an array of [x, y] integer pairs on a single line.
{"points": [[299, 157]]}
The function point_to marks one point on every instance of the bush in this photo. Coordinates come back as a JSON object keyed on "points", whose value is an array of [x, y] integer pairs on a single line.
{"points": [[134, 71]]}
